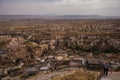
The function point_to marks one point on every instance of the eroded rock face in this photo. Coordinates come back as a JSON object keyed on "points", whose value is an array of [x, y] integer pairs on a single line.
{"points": [[44, 47], [25, 39], [102, 42], [16, 42]]}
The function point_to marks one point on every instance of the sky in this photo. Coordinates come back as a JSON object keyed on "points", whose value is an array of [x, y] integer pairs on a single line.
{"points": [[60, 7]]}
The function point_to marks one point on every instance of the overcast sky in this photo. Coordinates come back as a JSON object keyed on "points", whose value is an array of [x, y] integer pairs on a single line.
{"points": [[60, 7]]}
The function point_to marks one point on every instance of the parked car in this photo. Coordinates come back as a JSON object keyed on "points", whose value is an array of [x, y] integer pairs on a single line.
{"points": [[30, 71]]}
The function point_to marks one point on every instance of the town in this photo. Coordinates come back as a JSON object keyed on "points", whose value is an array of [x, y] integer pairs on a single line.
{"points": [[48, 48]]}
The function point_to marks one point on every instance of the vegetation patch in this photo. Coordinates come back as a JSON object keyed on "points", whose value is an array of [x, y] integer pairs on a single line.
{"points": [[79, 75]]}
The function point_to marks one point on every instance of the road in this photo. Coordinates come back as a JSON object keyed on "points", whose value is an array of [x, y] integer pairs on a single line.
{"points": [[113, 76]]}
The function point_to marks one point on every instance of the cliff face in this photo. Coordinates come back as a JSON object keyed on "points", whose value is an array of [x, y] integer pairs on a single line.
{"points": [[24, 40]]}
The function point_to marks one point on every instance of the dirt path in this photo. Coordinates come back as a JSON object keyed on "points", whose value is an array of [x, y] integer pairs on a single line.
{"points": [[113, 76]]}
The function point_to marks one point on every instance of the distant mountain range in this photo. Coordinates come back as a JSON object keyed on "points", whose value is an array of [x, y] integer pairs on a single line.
{"points": [[57, 17]]}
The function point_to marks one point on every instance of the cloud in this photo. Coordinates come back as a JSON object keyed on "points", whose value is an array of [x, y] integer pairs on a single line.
{"points": [[80, 1], [42, 1], [70, 7]]}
